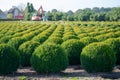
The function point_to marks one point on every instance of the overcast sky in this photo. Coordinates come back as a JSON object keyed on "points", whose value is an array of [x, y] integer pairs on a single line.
{"points": [[62, 5]]}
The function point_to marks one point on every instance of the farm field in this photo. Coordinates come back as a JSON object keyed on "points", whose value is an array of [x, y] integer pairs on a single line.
{"points": [[60, 45]]}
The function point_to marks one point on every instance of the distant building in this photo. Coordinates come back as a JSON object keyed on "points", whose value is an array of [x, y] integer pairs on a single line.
{"points": [[2, 15], [15, 13]]}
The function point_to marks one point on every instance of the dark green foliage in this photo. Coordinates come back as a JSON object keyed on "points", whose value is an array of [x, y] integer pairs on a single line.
{"points": [[49, 58], [29, 11], [88, 40], [40, 38], [118, 38], [83, 35], [87, 14], [103, 37], [115, 45], [98, 57], [55, 40], [67, 37], [5, 39], [114, 14], [56, 35], [26, 50], [9, 59], [16, 42], [73, 48], [97, 17]]}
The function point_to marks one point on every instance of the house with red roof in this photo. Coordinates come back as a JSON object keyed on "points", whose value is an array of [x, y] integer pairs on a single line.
{"points": [[15, 13]]}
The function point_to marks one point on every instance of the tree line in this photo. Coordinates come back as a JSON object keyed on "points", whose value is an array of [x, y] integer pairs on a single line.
{"points": [[87, 14]]}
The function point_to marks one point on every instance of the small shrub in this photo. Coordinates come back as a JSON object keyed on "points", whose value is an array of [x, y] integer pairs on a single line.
{"points": [[16, 42], [26, 50], [115, 45], [5, 39], [73, 48], [104, 37], [65, 38], [88, 40], [56, 35], [49, 58], [117, 34], [55, 40], [40, 38], [98, 57], [93, 34], [69, 33], [9, 59], [101, 37], [118, 38], [1, 35], [82, 35]]}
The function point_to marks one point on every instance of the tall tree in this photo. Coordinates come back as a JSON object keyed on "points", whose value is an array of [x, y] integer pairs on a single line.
{"points": [[87, 14], [114, 14], [70, 12], [49, 15], [29, 11], [54, 10]]}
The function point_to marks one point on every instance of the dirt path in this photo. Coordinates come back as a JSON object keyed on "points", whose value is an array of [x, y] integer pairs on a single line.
{"points": [[71, 73]]}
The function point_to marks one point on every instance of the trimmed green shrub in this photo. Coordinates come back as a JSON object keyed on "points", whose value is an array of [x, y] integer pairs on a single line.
{"points": [[115, 45], [98, 57], [16, 42], [5, 39], [118, 38], [1, 35], [67, 37], [117, 33], [69, 33], [101, 37], [88, 40], [104, 37], [83, 35], [56, 35], [73, 48], [49, 58], [26, 50], [28, 36], [56, 40], [93, 34], [40, 38], [9, 59]]}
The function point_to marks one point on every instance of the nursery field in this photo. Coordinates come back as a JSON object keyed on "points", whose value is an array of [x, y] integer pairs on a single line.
{"points": [[51, 47]]}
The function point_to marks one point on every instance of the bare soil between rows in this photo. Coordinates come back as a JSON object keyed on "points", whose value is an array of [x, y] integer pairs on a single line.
{"points": [[71, 73]]}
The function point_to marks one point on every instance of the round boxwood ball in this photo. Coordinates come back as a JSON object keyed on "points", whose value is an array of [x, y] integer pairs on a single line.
{"points": [[56, 40], [88, 40], [16, 42], [98, 57], [73, 48], [68, 37], [114, 43], [9, 59], [49, 58], [26, 50]]}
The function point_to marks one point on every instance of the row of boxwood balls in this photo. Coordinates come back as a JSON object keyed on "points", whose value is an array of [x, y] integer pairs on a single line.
{"points": [[50, 57]]}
